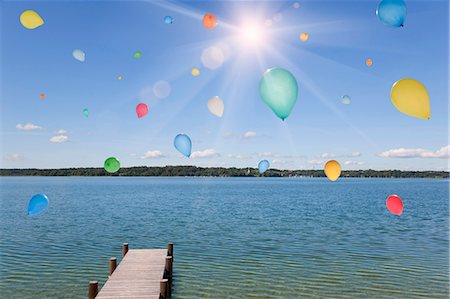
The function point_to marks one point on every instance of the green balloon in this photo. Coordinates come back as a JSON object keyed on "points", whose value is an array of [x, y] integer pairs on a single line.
{"points": [[137, 54], [111, 165], [278, 89]]}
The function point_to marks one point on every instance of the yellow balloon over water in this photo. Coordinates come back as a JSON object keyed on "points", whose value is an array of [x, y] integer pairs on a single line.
{"points": [[411, 97], [332, 170], [195, 72], [304, 36], [31, 19], [119, 77]]}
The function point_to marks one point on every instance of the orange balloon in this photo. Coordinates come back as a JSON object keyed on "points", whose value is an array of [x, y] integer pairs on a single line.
{"points": [[209, 21], [369, 62], [42, 95]]}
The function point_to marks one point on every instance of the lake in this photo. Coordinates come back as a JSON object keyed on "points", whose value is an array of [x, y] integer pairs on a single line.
{"points": [[234, 237]]}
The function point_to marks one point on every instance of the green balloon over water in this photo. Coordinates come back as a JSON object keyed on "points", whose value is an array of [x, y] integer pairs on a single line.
{"points": [[111, 165], [278, 89]]}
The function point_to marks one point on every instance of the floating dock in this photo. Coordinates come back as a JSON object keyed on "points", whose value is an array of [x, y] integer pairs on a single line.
{"points": [[142, 273]]}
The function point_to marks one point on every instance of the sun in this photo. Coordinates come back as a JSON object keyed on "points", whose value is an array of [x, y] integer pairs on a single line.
{"points": [[251, 34]]}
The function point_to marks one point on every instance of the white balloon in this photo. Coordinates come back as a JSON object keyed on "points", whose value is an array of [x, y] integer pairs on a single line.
{"points": [[161, 89], [79, 55], [213, 57], [216, 106]]}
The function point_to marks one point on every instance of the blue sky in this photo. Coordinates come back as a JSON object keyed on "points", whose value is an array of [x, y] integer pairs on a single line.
{"points": [[368, 133]]}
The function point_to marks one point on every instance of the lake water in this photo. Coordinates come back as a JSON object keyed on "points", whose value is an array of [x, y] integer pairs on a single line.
{"points": [[234, 237]]}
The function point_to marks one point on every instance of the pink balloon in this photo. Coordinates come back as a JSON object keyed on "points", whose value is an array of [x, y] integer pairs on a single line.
{"points": [[141, 110], [394, 205]]}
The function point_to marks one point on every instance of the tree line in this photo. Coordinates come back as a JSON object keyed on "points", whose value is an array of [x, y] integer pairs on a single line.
{"points": [[194, 171]]}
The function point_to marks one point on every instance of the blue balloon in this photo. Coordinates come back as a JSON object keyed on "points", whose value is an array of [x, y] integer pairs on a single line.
{"points": [[168, 20], [263, 165], [183, 144], [37, 204], [392, 12]]}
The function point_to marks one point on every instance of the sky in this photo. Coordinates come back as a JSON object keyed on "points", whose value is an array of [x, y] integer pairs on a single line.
{"points": [[250, 38]]}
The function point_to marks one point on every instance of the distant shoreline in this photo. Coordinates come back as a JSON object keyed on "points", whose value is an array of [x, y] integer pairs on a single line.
{"points": [[193, 171]]}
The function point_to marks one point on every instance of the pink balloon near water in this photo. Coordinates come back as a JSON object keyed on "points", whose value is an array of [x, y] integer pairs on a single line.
{"points": [[141, 110]]}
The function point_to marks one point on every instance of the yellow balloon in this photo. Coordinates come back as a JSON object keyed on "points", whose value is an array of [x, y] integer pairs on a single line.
{"points": [[195, 72], [332, 170], [304, 36], [30, 19], [410, 97]]}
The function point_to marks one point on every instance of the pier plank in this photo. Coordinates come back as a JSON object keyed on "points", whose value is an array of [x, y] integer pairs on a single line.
{"points": [[138, 275]]}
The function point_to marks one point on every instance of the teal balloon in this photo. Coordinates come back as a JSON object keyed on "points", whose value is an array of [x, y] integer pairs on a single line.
{"points": [[37, 204], [263, 165], [183, 144], [86, 112], [346, 100], [279, 90], [392, 12]]}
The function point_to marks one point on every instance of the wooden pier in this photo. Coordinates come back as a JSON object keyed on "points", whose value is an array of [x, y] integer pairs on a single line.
{"points": [[143, 273]]}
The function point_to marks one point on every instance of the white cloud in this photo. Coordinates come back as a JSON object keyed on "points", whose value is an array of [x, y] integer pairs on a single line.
{"points": [[207, 153], [327, 156], [315, 162], [152, 155], [355, 154], [14, 157], [61, 132], [59, 139], [267, 154], [248, 135], [28, 127], [228, 135], [278, 161], [350, 162], [239, 156], [442, 153]]}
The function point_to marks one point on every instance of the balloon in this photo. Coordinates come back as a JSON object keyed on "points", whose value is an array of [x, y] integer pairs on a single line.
{"points": [[263, 165], [304, 36], [346, 100], [332, 170], [162, 89], [369, 62], [183, 144], [79, 55], [119, 78], [86, 112], [394, 204], [37, 204], [410, 97], [215, 106], [209, 21], [141, 110], [31, 19], [137, 54], [42, 96], [111, 165], [392, 12], [168, 20], [278, 89], [195, 72]]}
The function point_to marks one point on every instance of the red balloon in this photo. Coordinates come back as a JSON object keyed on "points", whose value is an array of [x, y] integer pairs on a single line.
{"points": [[141, 110], [394, 205]]}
